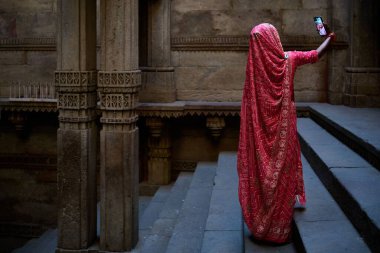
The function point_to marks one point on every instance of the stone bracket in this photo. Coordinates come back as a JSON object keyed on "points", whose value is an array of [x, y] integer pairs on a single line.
{"points": [[159, 153], [216, 126]]}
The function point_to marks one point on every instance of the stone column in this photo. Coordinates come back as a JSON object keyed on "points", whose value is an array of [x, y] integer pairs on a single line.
{"points": [[159, 163], [363, 72], [338, 55], [118, 83], [75, 81], [157, 79]]}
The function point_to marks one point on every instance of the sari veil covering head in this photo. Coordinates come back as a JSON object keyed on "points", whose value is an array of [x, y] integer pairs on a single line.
{"points": [[268, 152]]}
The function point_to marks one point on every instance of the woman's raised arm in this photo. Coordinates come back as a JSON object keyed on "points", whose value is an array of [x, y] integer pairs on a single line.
{"points": [[330, 38]]}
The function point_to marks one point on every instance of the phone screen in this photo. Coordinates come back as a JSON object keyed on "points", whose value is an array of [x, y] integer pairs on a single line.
{"points": [[319, 24]]}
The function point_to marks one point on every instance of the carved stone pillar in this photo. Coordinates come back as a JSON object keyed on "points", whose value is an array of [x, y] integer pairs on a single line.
{"points": [[75, 81], [157, 76], [118, 82], [159, 163]]}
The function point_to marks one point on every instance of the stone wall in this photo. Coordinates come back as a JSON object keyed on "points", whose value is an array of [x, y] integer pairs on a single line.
{"points": [[27, 42], [28, 184], [28, 156], [215, 71]]}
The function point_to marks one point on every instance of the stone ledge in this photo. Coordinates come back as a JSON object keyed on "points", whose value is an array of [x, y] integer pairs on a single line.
{"points": [[28, 44], [240, 43], [28, 105], [161, 110], [188, 108]]}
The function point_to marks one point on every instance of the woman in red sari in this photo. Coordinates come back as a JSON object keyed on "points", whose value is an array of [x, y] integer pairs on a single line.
{"points": [[269, 156]]}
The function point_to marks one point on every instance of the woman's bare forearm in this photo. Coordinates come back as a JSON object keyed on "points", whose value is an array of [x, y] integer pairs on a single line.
{"points": [[323, 47]]}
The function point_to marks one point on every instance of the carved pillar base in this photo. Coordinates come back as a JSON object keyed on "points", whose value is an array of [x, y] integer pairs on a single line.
{"points": [[159, 163]]}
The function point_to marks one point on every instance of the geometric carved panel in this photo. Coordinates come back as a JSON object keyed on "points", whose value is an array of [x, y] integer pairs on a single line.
{"points": [[116, 101], [68, 101], [76, 101]]}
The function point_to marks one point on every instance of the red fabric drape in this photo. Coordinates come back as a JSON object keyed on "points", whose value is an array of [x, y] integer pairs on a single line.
{"points": [[269, 164]]}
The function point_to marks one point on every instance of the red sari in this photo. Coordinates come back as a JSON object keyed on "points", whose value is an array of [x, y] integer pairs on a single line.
{"points": [[269, 157]]}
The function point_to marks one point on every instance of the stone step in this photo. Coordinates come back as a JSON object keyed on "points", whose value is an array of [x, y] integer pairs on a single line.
{"points": [[144, 202], [224, 226], [189, 229], [355, 127], [152, 211], [351, 180], [46, 243], [157, 239], [322, 226]]}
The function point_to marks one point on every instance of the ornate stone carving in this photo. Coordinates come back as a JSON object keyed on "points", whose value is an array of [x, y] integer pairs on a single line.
{"points": [[28, 106], [77, 101], [119, 98], [40, 44], [76, 97], [123, 79], [216, 126], [75, 81]]}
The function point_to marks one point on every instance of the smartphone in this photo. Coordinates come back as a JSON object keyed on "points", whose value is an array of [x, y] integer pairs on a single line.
{"points": [[320, 27]]}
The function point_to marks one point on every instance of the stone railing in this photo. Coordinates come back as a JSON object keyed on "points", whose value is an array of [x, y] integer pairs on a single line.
{"points": [[28, 97], [31, 91]]}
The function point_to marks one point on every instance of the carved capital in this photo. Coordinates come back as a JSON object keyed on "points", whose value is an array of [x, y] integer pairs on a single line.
{"points": [[119, 98], [216, 126], [76, 98], [118, 89], [110, 80], [75, 81]]}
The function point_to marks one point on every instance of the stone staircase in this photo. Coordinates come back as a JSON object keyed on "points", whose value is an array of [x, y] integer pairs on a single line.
{"points": [[200, 211]]}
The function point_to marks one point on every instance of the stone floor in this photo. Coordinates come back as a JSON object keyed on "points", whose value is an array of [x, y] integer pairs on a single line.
{"points": [[200, 211]]}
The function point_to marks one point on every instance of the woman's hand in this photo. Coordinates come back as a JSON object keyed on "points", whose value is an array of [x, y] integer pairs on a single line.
{"points": [[330, 33], [330, 37]]}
